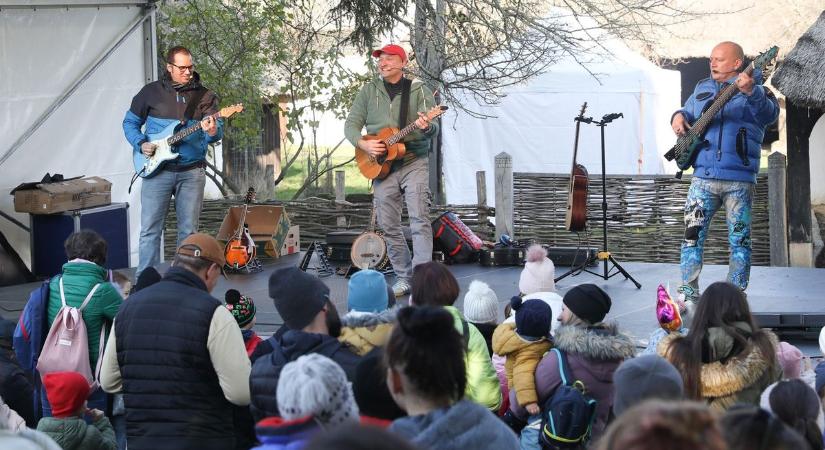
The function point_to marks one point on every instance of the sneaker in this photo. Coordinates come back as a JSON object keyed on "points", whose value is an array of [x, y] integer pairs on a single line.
{"points": [[687, 294], [401, 288]]}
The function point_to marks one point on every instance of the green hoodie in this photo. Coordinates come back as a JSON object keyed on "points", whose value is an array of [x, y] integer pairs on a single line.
{"points": [[73, 433], [482, 383], [372, 108], [79, 278]]}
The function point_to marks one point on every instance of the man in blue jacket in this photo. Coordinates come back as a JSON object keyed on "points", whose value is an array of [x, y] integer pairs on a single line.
{"points": [[726, 167], [156, 106]]}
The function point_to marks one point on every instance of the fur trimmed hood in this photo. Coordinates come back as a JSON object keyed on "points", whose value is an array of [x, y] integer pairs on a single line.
{"points": [[602, 342], [359, 319]]}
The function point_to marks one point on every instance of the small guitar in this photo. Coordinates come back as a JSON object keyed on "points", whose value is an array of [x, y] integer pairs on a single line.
{"points": [[687, 146], [575, 219], [241, 250], [166, 141], [379, 167], [369, 250]]}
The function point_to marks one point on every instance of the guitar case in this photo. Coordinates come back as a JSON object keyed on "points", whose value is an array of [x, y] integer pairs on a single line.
{"points": [[455, 239], [571, 256], [502, 256]]}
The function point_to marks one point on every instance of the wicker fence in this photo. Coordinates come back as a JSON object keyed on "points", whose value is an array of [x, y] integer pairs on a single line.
{"points": [[645, 217]]}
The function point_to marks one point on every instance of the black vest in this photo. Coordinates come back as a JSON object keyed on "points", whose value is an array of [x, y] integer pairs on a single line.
{"points": [[171, 392]]}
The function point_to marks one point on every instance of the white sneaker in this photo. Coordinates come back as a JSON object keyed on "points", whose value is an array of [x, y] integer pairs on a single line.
{"points": [[401, 288]]}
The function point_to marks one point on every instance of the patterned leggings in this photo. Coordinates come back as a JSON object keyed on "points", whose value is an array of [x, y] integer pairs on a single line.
{"points": [[705, 197]]}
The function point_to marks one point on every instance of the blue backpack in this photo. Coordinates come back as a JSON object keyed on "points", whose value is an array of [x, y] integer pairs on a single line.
{"points": [[30, 334], [567, 416]]}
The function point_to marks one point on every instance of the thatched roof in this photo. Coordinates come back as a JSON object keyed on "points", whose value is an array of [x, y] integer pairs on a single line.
{"points": [[801, 77]]}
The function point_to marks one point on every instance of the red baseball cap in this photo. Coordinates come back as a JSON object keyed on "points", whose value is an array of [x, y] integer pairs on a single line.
{"points": [[390, 49]]}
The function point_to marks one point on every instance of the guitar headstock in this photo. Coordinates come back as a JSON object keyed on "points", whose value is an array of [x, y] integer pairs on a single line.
{"points": [[229, 111], [436, 111], [250, 195], [765, 61]]}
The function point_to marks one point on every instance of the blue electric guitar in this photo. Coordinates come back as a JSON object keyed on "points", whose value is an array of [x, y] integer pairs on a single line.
{"points": [[166, 141]]}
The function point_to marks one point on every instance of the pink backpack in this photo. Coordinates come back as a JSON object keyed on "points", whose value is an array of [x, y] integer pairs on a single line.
{"points": [[67, 345]]}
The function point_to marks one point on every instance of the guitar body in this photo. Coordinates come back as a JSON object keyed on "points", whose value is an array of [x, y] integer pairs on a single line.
{"points": [[240, 252], [379, 168], [576, 216], [369, 250], [147, 167], [686, 150]]}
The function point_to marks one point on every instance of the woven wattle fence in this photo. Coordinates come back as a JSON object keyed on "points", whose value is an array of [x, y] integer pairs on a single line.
{"points": [[645, 217]]}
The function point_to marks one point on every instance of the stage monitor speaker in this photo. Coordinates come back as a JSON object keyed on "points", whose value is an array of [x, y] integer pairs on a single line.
{"points": [[571, 256]]}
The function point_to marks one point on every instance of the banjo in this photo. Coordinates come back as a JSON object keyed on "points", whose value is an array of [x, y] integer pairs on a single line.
{"points": [[369, 250]]}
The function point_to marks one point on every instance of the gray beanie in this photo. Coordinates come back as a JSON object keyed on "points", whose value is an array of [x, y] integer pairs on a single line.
{"points": [[644, 377], [314, 385], [298, 296]]}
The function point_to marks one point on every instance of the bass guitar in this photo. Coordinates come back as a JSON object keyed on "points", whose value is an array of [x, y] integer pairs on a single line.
{"points": [[688, 145], [167, 141], [241, 250], [379, 167], [575, 218]]}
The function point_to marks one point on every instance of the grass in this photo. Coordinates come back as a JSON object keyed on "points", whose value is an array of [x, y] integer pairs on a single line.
{"points": [[354, 182]]}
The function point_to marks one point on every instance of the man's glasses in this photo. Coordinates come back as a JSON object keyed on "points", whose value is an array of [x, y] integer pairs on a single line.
{"points": [[184, 68]]}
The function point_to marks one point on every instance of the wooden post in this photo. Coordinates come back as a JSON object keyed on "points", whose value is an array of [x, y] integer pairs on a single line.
{"points": [[504, 195], [777, 209], [481, 193], [340, 196], [800, 122]]}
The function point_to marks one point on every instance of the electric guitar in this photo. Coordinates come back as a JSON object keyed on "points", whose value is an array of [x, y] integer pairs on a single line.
{"points": [[575, 219], [688, 145], [166, 141], [379, 167], [240, 250]]}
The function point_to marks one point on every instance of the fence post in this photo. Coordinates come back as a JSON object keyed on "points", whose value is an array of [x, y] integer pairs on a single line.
{"points": [[481, 194], [340, 196], [777, 209], [504, 195]]}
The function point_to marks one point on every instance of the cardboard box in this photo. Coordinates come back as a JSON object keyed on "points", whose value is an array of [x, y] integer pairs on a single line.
{"points": [[49, 198], [268, 225], [292, 243]]}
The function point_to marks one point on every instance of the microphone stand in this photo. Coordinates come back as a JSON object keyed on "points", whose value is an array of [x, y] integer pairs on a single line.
{"points": [[604, 254]]}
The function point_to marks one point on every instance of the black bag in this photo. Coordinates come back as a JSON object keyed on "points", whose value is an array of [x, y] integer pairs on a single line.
{"points": [[456, 240], [502, 256], [567, 416]]}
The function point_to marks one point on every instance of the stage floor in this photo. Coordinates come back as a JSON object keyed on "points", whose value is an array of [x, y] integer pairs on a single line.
{"points": [[785, 290]]}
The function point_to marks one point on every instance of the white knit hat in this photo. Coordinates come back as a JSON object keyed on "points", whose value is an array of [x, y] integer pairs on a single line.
{"points": [[538, 272], [314, 385], [480, 303]]}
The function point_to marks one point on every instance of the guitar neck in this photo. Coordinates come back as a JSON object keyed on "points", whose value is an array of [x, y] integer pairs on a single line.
{"points": [[395, 138], [727, 93], [184, 133]]}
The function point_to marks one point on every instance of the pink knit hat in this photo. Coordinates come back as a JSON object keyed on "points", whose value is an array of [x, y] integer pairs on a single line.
{"points": [[790, 358]]}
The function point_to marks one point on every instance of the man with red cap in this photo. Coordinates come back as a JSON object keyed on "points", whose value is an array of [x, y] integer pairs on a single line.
{"points": [[379, 105], [67, 393]]}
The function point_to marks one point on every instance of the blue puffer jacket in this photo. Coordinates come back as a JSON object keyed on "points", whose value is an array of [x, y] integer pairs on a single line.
{"points": [[159, 104], [720, 159]]}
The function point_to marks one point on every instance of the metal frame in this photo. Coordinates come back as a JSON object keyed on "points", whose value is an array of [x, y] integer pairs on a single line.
{"points": [[35, 4]]}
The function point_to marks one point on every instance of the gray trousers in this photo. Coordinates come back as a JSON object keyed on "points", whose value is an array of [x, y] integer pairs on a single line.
{"points": [[412, 181]]}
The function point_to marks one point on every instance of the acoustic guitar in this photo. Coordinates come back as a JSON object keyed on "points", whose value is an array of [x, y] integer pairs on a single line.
{"points": [[379, 167], [575, 218], [241, 250], [688, 145]]}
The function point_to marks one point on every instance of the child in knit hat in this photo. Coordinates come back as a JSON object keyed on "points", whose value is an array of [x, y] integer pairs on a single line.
{"points": [[243, 310], [523, 344], [539, 272], [481, 310], [67, 393], [369, 319]]}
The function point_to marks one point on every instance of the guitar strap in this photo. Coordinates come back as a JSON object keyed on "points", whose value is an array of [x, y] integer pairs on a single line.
{"points": [[406, 83], [189, 114]]}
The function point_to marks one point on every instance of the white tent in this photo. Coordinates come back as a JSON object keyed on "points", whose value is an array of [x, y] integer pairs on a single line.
{"points": [[534, 123], [68, 71]]}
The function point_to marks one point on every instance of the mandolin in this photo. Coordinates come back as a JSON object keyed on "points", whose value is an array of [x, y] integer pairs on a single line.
{"points": [[575, 218], [379, 167], [240, 250]]}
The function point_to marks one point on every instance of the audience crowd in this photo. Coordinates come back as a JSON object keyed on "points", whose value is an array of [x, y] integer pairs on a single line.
{"points": [[183, 370]]}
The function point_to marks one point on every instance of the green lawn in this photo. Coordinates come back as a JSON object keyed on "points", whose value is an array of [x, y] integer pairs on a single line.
{"points": [[354, 181]]}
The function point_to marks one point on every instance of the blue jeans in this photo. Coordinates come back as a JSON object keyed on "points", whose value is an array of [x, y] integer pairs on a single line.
{"points": [[705, 197], [529, 439], [155, 194]]}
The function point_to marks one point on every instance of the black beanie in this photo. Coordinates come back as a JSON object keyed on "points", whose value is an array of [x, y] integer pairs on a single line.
{"points": [[148, 277], [298, 296], [588, 302], [370, 388], [534, 317]]}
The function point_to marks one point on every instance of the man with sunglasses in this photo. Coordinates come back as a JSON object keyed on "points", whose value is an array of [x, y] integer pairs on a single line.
{"points": [[178, 96]]}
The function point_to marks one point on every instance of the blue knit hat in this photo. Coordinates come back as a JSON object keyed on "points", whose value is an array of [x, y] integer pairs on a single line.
{"points": [[367, 292], [533, 317]]}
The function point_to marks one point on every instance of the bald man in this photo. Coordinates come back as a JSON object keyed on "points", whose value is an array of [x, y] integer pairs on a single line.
{"points": [[726, 166]]}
